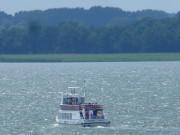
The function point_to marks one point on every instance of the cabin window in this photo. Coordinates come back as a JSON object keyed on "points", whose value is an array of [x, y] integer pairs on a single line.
{"points": [[60, 115], [81, 100], [65, 116], [74, 101], [77, 101], [70, 116], [67, 101]]}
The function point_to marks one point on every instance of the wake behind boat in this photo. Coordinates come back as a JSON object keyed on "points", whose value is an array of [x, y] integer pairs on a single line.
{"points": [[74, 110]]}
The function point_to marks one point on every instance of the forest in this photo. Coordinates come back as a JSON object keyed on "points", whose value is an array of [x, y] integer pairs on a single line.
{"points": [[94, 31]]}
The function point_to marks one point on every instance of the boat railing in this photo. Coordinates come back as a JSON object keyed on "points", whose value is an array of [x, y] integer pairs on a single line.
{"points": [[90, 106], [69, 107]]}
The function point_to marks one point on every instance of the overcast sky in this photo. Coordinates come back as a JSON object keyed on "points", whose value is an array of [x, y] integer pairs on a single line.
{"points": [[12, 6]]}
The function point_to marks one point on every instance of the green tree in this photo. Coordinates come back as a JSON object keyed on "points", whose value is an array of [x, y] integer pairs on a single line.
{"points": [[33, 36]]}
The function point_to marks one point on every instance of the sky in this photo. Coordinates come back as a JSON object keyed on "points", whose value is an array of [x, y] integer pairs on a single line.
{"points": [[13, 6]]}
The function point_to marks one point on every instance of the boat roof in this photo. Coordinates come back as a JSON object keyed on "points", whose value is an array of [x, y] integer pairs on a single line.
{"points": [[73, 87], [71, 92], [66, 95]]}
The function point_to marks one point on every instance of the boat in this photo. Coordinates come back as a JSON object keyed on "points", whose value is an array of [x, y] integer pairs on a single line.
{"points": [[73, 110]]}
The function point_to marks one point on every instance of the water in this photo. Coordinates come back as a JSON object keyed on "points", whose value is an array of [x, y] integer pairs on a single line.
{"points": [[138, 98]]}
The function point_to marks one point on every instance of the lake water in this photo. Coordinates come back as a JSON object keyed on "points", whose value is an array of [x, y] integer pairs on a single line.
{"points": [[138, 97]]}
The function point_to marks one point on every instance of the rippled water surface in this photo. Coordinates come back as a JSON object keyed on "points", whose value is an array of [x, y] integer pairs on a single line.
{"points": [[138, 98]]}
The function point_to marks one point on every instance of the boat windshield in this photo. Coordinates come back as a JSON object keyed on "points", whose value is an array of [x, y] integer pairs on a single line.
{"points": [[73, 100], [67, 101], [81, 100]]}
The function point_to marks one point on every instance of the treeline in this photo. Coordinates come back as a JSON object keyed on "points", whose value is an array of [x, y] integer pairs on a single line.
{"points": [[95, 16], [145, 36], [97, 30]]}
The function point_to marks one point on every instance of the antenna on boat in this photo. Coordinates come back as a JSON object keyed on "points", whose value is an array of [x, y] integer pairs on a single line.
{"points": [[62, 96], [73, 90], [84, 89]]}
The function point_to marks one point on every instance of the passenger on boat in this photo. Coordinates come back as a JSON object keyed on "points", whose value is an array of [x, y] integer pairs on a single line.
{"points": [[87, 115], [73, 103], [81, 114]]}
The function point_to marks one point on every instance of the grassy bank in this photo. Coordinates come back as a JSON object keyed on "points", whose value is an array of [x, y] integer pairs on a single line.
{"points": [[91, 57]]}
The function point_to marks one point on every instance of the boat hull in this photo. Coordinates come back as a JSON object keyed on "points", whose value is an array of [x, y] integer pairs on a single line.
{"points": [[68, 122], [95, 123], [85, 123]]}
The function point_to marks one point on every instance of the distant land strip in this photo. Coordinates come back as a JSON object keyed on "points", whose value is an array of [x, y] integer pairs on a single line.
{"points": [[130, 57]]}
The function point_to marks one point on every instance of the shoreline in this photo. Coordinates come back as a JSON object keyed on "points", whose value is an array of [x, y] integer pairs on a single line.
{"points": [[127, 57]]}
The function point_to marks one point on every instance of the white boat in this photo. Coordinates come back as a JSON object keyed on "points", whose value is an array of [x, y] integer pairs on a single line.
{"points": [[74, 110]]}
